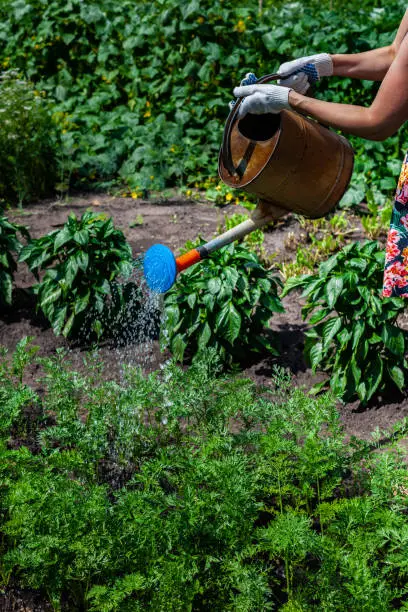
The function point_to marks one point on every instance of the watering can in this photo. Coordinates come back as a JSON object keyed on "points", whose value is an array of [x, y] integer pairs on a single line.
{"points": [[293, 164]]}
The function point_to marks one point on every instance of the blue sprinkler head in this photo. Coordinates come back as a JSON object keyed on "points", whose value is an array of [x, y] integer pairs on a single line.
{"points": [[159, 267]]}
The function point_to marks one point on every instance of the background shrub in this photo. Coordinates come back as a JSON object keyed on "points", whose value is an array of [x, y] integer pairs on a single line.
{"points": [[142, 88], [27, 141], [354, 335], [225, 303], [79, 291]]}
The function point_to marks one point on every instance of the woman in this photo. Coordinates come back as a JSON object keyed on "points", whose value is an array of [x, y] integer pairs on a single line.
{"points": [[384, 117]]}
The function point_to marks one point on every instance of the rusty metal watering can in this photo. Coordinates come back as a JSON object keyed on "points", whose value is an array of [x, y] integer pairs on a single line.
{"points": [[293, 164]]}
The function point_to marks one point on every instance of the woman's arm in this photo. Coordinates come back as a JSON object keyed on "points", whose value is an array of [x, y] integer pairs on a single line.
{"points": [[371, 65], [383, 118]]}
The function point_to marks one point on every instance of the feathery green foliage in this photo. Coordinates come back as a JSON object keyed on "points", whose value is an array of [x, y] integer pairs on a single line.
{"points": [[189, 490]]}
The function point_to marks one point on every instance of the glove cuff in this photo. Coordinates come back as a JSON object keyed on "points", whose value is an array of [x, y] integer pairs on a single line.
{"points": [[324, 64], [282, 96]]}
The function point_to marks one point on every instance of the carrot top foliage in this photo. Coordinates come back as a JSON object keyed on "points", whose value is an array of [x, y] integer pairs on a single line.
{"points": [[187, 490]]}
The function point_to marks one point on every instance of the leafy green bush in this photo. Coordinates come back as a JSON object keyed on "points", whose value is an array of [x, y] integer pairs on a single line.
{"points": [[10, 247], [183, 490], [354, 334], [141, 88], [27, 141], [224, 302], [79, 292]]}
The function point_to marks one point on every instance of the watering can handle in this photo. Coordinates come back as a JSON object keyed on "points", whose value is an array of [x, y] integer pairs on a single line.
{"points": [[226, 141]]}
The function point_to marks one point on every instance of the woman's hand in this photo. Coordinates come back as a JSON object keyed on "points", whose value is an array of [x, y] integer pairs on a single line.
{"points": [[260, 99], [299, 73]]}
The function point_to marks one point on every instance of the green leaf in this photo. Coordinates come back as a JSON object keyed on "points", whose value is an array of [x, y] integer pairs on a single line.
{"points": [[214, 285], [373, 375], [6, 287], [398, 376], [81, 237], [51, 297], [61, 238], [333, 290], [356, 371], [228, 322], [178, 347], [358, 330], [358, 262], [191, 299], [82, 260], [293, 282], [315, 355], [231, 276], [393, 338], [81, 303], [327, 266], [329, 330], [205, 335], [68, 325], [319, 315], [171, 316], [59, 319]]}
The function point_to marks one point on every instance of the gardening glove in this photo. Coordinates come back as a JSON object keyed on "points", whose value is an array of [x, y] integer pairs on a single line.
{"points": [[260, 99], [312, 67]]}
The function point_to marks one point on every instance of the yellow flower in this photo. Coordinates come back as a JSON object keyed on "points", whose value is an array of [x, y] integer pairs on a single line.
{"points": [[240, 27], [147, 114], [152, 177], [229, 197], [147, 103], [200, 20], [188, 192], [172, 149], [218, 187], [134, 195]]}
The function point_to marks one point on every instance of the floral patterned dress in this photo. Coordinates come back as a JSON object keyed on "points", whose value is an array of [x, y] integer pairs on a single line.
{"points": [[396, 255]]}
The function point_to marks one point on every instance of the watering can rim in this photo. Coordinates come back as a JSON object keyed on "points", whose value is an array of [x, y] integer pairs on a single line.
{"points": [[225, 150]]}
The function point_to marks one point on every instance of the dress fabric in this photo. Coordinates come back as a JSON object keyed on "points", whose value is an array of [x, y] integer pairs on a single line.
{"points": [[396, 254]]}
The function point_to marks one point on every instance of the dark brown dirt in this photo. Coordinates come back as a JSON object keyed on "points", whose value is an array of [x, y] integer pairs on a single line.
{"points": [[172, 222]]}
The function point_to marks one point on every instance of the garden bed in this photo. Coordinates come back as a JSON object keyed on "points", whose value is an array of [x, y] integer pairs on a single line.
{"points": [[172, 221]]}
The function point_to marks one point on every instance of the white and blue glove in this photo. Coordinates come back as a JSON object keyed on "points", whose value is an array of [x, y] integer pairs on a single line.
{"points": [[300, 73], [260, 99]]}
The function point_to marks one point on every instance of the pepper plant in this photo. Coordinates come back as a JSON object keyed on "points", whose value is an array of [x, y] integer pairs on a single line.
{"points": [[354, 336], [10, 247], [81, 262], [225, 303]]}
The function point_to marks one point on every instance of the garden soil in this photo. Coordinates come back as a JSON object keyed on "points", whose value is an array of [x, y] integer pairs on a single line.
{"points": [[172, 221]]}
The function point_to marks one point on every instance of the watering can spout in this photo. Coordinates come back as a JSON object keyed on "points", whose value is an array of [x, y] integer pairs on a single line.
{"points": [[161, 267]]}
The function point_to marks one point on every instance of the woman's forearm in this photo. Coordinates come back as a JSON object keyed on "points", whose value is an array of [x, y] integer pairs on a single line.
{"points": [[370, 65], [357, 120]]}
